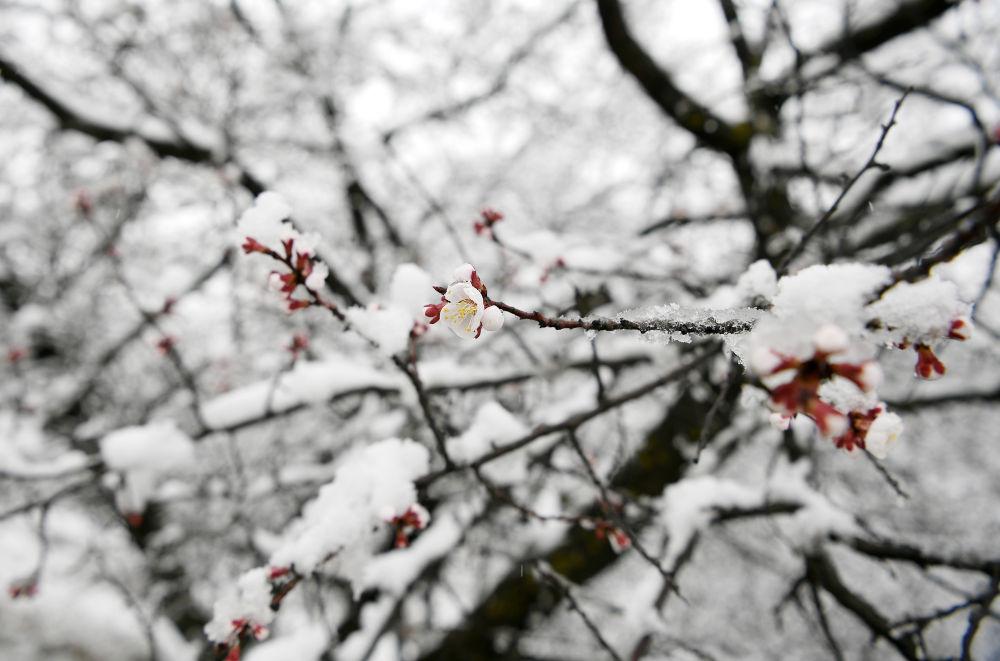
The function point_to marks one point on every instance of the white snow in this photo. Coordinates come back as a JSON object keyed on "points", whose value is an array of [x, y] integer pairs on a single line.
{"points": [[262, 221], [309, 382], [411, 289], [372, 485], [918, 312], [317, 277], [250, 603], [392, 572], [492, 426], [389, 328], [144, 455]]}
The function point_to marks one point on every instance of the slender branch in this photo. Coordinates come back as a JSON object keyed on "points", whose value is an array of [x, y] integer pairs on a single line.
{"points": [[870, 164], [574, 421], [710, 326], [553, 579]]}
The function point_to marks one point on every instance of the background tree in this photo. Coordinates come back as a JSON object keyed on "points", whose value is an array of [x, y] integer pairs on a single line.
{"points": [[201, 404]]}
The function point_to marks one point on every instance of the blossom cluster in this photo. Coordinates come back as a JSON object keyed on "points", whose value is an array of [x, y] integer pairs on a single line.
{"points": [[487, 219], [818, 340], [465, 307], [262, 229]]}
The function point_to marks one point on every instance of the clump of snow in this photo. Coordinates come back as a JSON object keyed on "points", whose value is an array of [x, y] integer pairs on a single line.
{"points": [[143, 455], [70, 619], [392, 572], [884, 432], [26, 451], [820, 307], [918, 312], [249, 604], [830, 338], [690, 505], [263, 221], [846, 396], [317, 277], [834, 293], [307, 643], [309, 382], [492, 426], [372, 485], [818, 518], [410, 290], [759, 280], [389, 328]]}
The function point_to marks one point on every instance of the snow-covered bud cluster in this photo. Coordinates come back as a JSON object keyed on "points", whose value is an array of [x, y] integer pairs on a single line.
{"points": [[919, 315], [139, 459], [800, 393], [408, 523], [488, 218], [824, 325], [929, 366], [465, 307], [262, 229], [339, 533], [246, 613]]}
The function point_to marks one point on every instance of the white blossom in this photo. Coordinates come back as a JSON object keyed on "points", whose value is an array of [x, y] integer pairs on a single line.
{"points": [[464, 309]]}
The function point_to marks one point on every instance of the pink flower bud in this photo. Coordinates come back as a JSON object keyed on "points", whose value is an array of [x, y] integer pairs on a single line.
{"points": [[928, 365]]}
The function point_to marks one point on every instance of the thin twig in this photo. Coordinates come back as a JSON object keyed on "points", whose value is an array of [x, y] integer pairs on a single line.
{"points": [[870, 164]]}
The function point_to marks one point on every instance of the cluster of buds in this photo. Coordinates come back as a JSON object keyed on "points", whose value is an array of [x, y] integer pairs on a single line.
{"points": [[299, 343], [408, 523], [465, 306], [304, 269], [604, 529], [281, 581], [262, 230], [487, 219], [242, 629], [24, 588], [800, 394], [929, 366], [165, 344]]}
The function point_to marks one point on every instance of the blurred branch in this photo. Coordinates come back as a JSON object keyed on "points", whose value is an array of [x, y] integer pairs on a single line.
{"points": [[871, 163], [710, 130], [749, 59], [71, 119]]}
